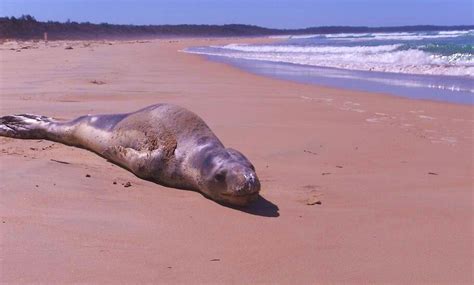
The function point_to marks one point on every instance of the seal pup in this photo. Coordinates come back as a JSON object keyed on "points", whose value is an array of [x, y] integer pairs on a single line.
{"points": [[163, 143]]}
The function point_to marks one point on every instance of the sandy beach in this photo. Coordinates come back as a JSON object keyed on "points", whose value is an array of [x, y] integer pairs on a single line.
{"points": [[393, 175]]}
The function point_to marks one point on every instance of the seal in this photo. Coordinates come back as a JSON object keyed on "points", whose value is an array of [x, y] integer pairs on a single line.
{"points": [[164, 143]]}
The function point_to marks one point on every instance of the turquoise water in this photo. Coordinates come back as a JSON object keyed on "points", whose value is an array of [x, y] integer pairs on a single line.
{"points": [[422, 65]]}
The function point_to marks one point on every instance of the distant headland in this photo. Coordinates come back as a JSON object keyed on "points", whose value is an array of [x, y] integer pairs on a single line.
{"points": [[27, 27]]}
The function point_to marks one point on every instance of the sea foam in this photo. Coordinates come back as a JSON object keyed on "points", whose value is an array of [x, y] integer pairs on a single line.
{"points": [[383, 58]]}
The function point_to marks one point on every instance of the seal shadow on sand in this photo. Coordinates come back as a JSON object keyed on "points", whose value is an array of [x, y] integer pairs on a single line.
{"points": [[260, 207]]}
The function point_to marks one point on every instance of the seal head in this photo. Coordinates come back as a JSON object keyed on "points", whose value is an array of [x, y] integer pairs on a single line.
{"points": [[229, 177]]}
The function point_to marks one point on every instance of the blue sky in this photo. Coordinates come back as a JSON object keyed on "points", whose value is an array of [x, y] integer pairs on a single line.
{"points": [[268, 13]]}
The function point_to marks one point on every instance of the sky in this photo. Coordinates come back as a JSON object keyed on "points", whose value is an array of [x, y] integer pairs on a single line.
{"points": [[267, 13]]}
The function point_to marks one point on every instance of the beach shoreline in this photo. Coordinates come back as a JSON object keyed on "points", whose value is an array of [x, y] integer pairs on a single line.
{"points": [[394, 177], [431, 66]]}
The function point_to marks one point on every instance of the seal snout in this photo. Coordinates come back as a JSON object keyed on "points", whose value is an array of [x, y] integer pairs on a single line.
{"points": [[242, 183], [251, 183]]}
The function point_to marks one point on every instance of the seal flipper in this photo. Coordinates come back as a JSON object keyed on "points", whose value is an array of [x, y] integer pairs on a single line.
{"points": [[138, 162], [25, 126]]}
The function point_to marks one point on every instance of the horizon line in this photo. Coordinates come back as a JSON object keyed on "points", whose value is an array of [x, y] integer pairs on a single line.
{"points": [[240, 24]]}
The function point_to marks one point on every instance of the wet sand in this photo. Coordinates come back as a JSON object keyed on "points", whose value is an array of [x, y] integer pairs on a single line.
{"points": [[393, 175]]}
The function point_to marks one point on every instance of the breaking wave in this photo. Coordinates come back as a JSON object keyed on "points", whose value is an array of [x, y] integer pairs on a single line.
{"points": [[384, 58]]}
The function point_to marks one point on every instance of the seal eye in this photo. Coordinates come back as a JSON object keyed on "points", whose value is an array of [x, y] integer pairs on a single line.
{"points": [[220, 177], [252, 167]]}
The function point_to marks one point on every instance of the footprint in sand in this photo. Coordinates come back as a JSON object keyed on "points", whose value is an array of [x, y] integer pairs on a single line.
{"points": [[317, 99], [373, 120], [351, 106], [446, 140], [426, 117], [380, 117], [314, 196]]}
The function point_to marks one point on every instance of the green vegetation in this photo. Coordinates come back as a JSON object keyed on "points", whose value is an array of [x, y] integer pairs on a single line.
{"points": [[27, 27]]}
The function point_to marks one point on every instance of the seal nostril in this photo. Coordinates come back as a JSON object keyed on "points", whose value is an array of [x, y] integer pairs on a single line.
{"points": [[249, 177], [254, 184]]}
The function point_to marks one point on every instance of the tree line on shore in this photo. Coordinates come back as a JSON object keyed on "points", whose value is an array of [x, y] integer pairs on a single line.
{"points": [[27, 27]]}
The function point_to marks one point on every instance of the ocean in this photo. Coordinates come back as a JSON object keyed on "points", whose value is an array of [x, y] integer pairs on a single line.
{"points": [[422, 65]]}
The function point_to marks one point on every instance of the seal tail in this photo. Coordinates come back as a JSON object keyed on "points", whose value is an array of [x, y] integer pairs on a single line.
{"points": [[25, 126]]}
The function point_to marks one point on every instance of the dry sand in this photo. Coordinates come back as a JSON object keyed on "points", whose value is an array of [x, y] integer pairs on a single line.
{"points": [[394, 177]]}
